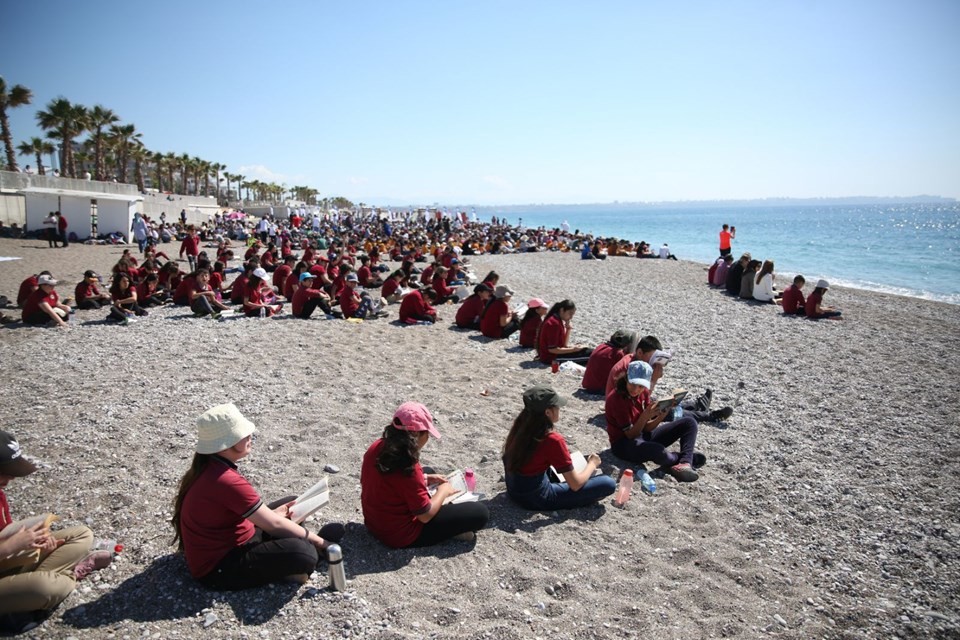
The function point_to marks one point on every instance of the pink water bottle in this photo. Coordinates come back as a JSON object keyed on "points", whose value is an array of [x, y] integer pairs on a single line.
{"points": [[624, 488], [470, 479]]}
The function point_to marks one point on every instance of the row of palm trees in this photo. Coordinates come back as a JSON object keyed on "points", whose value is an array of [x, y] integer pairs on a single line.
{"points": [[111, 147]]}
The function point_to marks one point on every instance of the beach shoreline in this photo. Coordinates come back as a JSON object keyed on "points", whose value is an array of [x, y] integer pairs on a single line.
{"points": [[828, 507]]}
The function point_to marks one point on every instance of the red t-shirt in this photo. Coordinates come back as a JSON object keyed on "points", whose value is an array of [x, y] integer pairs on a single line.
{"points": [[553, 334], [280, 276], [27, 287], [300, 297], [528, 331], [363, 275], [32, 304], [622, 412], [213, 518], [254, 296], [552, 450], [440, 286], [813, 300], [349, 302], [414, 308], [392, 501], [724, 239], [469, 311], [389, 288], [182, 293], [267, 259], [599, 366], [792, 299], [427, 274], [143, 291], [617, 371], [490, 322], [85, 290], [190, 245], [239, 289], [291, 283], [5, 517]]}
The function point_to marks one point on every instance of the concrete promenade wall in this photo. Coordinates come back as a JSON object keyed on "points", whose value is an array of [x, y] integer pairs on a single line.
{"points": [[13, 210]]}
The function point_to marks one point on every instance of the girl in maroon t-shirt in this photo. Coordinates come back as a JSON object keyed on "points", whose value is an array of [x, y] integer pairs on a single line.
{"points": [[394, 489], [530, 324], [255, 300], [533, 446]]}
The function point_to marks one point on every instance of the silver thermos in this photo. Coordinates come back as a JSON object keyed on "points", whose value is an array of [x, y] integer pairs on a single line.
{"points": [[338, 577]]}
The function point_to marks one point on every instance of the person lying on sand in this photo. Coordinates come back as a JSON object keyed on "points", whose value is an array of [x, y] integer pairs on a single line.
{"points": [[533, 446]]}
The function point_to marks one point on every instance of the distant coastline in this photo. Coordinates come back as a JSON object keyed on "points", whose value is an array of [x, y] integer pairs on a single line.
{"points": [[674, 204]]}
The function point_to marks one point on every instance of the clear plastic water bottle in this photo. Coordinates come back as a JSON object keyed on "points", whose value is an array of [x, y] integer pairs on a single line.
{"points": [[623, 488], [470, 479], [677, 412], [647, 482]]}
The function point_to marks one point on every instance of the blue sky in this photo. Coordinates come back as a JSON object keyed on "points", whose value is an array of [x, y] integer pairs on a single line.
{"points": [[519, 102]]}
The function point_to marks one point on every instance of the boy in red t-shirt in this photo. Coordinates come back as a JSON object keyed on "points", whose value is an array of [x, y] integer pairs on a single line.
{"points": [[191, 246], [793, 298]]}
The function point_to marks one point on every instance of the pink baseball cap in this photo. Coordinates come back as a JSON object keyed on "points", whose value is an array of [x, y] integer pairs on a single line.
{"points": [[536, 303], [413, 416]]}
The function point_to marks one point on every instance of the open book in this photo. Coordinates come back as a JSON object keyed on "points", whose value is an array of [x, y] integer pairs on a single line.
{"points": [[671, 401], [661, 357], [579, 464], [462, 493], [310, 501], [520, 309], [27, 556]]}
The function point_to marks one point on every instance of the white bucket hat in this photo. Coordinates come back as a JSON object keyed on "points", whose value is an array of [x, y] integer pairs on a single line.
{"points": [[221, 427]]}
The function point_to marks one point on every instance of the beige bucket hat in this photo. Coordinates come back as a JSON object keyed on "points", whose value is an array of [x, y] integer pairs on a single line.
{"points": [[221, 427]]}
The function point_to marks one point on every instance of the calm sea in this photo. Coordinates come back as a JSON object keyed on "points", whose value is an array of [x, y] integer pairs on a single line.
{"points": [[907, 249]]}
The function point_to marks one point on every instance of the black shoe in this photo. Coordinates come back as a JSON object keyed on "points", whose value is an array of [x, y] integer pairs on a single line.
{"points": [[703, 402], [332, 532], [721, 414], [699, 459]]}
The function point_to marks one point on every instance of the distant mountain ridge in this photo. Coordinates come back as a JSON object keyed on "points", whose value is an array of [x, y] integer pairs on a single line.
{"points": [[678, 204]]}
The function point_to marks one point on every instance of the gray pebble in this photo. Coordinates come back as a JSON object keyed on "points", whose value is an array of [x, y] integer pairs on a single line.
{"points": [[331, 468]]}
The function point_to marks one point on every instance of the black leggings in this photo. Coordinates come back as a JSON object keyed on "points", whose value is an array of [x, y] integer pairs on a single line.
{"points": [[261, 561], [580, 357], [89, 304], [452, 520]]}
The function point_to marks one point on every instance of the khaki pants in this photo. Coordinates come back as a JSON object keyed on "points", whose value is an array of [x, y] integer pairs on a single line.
{"points": [[47, 583]]}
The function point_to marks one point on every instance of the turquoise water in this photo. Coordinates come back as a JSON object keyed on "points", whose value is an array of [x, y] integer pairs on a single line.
{"points": [[907, 249]]}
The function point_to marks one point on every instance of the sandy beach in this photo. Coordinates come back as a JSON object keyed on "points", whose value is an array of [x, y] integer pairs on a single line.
{"points": [[829, 506]]}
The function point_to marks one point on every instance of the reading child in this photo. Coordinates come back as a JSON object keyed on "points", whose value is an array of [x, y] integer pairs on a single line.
{"points": [[397, 506], [533, 446], [232, 540], [49, 563]]}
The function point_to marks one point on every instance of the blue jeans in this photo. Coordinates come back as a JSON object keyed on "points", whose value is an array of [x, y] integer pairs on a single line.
{"points": [[539, 494]]}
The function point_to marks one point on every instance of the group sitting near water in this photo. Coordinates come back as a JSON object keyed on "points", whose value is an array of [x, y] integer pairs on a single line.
{"points": [[750, 279]]}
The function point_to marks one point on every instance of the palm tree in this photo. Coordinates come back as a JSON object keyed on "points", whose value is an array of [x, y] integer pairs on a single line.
{"points": [[99, 118], [197, 165], [218, 167], [82, 159], [64, 121], [139, 154], [17, 96], [158, 166], [123, 137], [171, 160], [239, 178], [184, 162], [36, 147]]}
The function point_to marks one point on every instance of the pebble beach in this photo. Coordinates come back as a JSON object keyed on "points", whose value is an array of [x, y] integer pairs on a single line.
{"points": [[829, 506]]}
